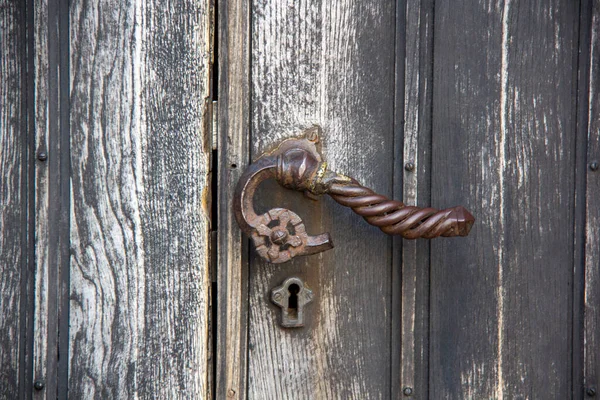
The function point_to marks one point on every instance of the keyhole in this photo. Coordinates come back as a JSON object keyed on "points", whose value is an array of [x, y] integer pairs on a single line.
{"points": [[293, 289]]}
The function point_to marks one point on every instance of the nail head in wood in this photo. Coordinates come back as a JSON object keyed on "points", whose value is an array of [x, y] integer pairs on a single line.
{"points": [[42, 156], [313, 133], [407, 391], [38, 385], [594, 165], [409, 166]]}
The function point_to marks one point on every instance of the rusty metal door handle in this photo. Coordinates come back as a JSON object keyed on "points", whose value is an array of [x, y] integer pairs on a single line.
{"points": [[279, 234]]}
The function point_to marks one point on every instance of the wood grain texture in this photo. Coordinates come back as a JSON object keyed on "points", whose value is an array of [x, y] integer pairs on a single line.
{"points": [[140, 151], [581, 172], [52, 185], [330, 64], [591, 337], [42, 288], [13, 203], [504, 146], [479, 95], [232, 273], [46, 128], [413, 126]]}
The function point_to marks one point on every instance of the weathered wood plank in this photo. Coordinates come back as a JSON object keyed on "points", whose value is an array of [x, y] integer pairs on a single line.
{"points": [[51, 181], [13, 202], [411, 258], [330, 64], [140, 152], [504, 146], [591, 332], [46, 122], [581, 172], [40, 333], [232, 281]]}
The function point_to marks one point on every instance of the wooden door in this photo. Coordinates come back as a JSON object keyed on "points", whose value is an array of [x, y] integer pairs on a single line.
{"points": [[495, 105], [125, 126]]}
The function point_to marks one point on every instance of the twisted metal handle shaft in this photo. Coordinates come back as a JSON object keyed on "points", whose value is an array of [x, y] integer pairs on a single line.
{"points": [[279, 235], [395, 218]]}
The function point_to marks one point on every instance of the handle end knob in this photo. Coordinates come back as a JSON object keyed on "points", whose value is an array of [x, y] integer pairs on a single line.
{"points": [[463, 221]]}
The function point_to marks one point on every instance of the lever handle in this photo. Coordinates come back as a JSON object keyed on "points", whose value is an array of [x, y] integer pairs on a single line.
{"points": [[279, 234]]}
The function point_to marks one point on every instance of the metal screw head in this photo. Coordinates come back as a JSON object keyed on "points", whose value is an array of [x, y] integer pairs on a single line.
{"points": [[312, 134], [594, 165], [407, 391], [591, 391], [38, 385], [42, 156], [279, 236], [409, 166]]}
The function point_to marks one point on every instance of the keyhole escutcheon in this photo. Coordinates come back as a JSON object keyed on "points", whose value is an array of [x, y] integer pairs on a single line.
{"points": [[291, 297]]}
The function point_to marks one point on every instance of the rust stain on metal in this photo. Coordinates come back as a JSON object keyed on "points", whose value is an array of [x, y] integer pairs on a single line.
{"points": [[280, 235]]}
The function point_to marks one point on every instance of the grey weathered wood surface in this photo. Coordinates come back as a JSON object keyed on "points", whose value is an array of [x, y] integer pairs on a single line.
{"points": [[232, 274], [42, 265], [581, 168], [330, 64], [591, 333], [486, 99], [51, 200], [13, 200], [140, 152], [414, 61], [504, 145]]}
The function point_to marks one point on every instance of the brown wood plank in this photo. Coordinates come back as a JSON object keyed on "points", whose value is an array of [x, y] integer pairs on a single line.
{"points": [[13, 200], [232, 273], [504, 146], [140, 159], [591, 332], [330, 64], [413, 121]]}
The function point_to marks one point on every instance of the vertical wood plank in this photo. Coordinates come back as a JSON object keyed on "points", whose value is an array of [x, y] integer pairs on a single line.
{"points": [[504, 146], [46, 210], [539, 188], [458, 366], [581, 172], [330, 64], [140, 153], [50, 119], [13, 202], [42, 287], [234, 75], [591, 333], [413, 122]]}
